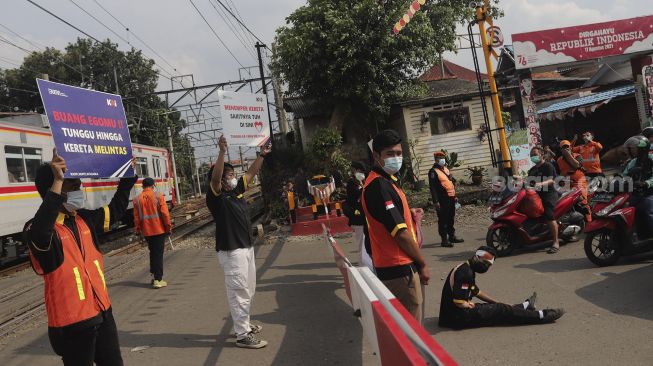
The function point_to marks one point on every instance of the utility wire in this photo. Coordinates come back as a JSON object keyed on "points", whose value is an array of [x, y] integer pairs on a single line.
{"points": [[214, 32], [135, 36], [239, 21], [234, 29], [235, 9]]}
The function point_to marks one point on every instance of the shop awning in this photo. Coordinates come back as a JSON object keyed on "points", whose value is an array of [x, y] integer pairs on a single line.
{"points": [[583, 105]]}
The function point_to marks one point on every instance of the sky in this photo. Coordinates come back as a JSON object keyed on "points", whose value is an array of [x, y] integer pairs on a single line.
{"points": [[175, 30]]}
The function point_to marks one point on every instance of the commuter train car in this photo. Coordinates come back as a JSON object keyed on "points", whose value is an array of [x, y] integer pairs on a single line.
{"points": [[24, 145]]}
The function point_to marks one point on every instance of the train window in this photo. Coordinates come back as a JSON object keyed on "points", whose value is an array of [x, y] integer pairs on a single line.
{"points": [[22, 163], [141, 167], [157, 168]]}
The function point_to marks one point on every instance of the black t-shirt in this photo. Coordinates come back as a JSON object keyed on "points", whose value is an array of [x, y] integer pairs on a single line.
{"points": [[539, 174], [233, 226], [464, 289]]}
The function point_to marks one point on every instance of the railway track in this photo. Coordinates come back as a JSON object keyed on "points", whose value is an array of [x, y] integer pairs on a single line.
{"points": [[23, 302]]}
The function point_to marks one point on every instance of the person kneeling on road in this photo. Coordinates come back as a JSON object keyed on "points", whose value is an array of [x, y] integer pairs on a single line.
{"points": [[458, 311]]}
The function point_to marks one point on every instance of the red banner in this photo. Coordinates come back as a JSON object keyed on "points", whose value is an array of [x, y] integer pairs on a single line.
{"points": [[583, 42]]}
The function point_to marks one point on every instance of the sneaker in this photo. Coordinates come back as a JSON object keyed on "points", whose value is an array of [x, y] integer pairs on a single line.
{"points": [[531, 301], [251, 341], [159, 284], [551, 315], [446, 244], [253, 328]]}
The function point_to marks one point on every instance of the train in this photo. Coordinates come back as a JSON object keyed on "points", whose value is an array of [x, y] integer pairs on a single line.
{"points": [[25, 143]]}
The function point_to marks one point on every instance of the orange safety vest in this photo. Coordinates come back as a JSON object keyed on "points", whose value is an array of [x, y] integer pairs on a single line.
{"points": [[385, 250], [291, 200], [590, 154], [76, 290], [445, 180], [151, 216]]}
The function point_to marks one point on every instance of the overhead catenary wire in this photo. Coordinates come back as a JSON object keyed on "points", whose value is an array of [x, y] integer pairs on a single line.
{"points": [[234, 29], [214, 33], [239, 21]]}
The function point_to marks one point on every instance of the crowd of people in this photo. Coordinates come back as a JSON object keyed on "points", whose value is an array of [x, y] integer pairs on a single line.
{"points": [[62, 238]]}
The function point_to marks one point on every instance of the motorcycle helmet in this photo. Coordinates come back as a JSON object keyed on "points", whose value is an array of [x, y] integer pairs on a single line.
{"points": [[637, 145]]}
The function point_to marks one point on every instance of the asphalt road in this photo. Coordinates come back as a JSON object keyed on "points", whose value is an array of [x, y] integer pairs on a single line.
{"points": [[306, 318]]}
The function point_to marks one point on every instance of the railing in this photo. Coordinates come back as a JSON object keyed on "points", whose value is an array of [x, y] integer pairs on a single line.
{"points": [[392, 331]]}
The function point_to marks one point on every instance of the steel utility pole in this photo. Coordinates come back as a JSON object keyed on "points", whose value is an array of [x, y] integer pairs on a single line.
{"points": [[174, 166], [482, 17], [265, 89]]}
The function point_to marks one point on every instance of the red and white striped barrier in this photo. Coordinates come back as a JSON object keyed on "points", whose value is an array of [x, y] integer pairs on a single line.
{"points": [[394, 335]]}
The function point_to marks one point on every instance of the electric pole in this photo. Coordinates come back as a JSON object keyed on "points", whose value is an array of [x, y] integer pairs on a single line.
{"points": [[174, 166], [264, 87]]}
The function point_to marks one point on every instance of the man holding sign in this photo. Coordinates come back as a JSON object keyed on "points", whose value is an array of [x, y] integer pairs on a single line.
{"points": [[233, 241], [63, 246]]}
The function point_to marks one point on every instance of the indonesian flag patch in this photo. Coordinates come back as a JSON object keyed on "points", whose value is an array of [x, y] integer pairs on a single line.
{"points": [[464, 286], [389, 205]]}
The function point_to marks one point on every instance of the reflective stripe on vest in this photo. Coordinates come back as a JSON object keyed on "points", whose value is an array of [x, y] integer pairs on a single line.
{"points": [[140, 208], [445, 181], [385, 250], [78, 281], [76, 290]]}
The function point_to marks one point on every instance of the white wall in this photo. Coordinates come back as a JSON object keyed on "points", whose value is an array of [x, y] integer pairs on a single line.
{"points": [[466, 143]]}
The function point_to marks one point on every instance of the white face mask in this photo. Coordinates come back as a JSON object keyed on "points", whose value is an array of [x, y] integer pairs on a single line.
{"points": [[74, 201], [360, 176], [392, 165], [231, 183], [442, 162]]}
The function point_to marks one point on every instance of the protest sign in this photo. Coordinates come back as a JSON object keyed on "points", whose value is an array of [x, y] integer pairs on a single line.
{"points": [[89, 129], [244, 118]]}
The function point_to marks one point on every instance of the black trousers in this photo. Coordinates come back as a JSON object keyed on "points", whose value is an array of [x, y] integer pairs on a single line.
{"points": [[293, 216], [487, 315], [446, 215], [98, 343], [156, 245]]}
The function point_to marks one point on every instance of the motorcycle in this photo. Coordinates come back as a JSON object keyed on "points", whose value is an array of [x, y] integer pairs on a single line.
{"points": [[512, 229], [612, 232]]}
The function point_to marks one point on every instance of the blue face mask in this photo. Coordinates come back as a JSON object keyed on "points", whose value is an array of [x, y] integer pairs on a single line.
{"points": [[392, 165], [536, 159], [75, 200], [442, 162]]}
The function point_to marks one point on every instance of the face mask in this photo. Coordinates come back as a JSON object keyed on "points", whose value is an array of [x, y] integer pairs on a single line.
{"points": [[480, 266], [536, 159], [588, 138], [359, 176], [392, 165], [231, 183], [75, 200], [442, 162]]}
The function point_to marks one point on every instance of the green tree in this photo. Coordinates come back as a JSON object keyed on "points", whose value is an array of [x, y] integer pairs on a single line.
{"points": [[344, 53], [90, 64]]}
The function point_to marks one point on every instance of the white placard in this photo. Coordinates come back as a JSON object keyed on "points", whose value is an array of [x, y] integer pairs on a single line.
{"points": [[244, 118]]}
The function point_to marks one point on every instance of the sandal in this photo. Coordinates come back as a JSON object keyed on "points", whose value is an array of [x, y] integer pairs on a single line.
{"points": [[553, 250]]}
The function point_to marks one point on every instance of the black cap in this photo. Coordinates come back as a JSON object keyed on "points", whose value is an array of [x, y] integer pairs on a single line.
{"points": [[148, 182], [385, 139], [44, 179]]}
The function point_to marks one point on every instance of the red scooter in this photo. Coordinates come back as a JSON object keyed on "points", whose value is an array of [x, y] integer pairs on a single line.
{"points": [[612, 232], [512, 229]]}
